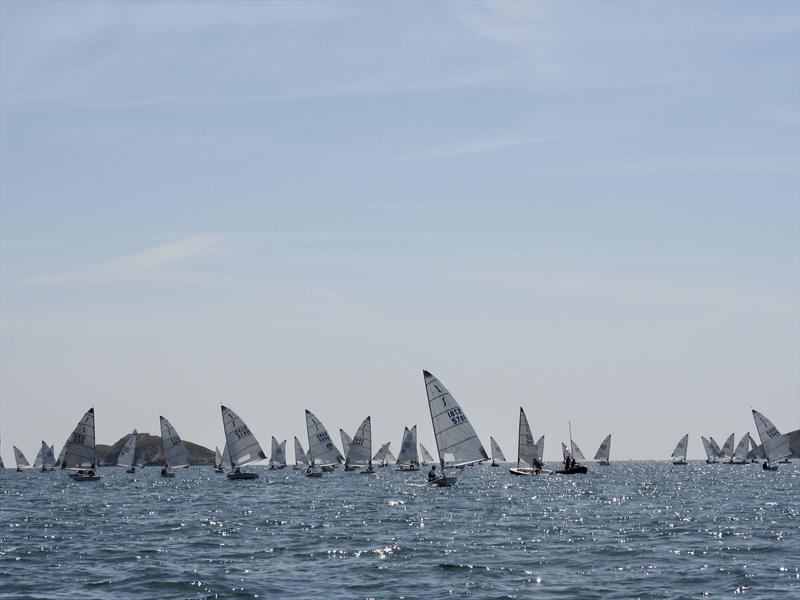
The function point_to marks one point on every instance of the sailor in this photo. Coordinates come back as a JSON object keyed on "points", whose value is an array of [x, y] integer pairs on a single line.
{"points": [[432, 476], [164, 471]]}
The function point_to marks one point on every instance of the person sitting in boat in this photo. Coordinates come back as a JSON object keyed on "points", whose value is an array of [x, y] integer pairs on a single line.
{"points": [[432, 476], [765, 466], [164, 470], [91, 473]]}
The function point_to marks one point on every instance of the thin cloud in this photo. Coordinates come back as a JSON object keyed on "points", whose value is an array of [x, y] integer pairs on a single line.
{"points": [[478, 146]]}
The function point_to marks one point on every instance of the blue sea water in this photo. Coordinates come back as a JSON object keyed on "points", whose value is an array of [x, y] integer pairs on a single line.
{"points": [[629, 530]]}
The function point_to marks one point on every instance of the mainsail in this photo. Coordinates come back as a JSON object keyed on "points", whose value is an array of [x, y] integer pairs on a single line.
{"points": [[126, 456], [711, 455], [453, 432], [497, 454], [175, 454], [38, 461], [604, 451], [346, 441], [680, 450], [217, 458], [320, 446], [756, 451], [740, 454], [80, 450], [526, 448], [426, 456], [408, 449], [360, 450], [390, 457], [380, 455], [242, 446], [277, 458], [226, 456], [776, 445], [299, 454], [715, 446], [540, 451], [727, 447], [50, 461], [576, 452], [19, 457]]}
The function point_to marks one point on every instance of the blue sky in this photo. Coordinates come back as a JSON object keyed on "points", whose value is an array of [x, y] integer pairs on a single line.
{"points": [[587, 209]]}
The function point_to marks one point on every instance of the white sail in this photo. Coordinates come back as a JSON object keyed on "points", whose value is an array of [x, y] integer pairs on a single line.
{"points": [[756, 451], [242, 446], [320, 446], [497, 454], [408, 449], [680, 450], [217, 457], [715, 446], [175, 454], [50, 461], [60, 458], [453, 432], [37, 462], [390, 457], [576, 452], [526, 447], [740, 454], [126, 456], [380, 455], [80, 451], [346, 441], [19, 457], [604, 451], [540, 450], [299, 454], [727, 447], [426, 456], [711, 454], [226, 456], [277, 458], [776, 445], [360, 451], [565, 451]]}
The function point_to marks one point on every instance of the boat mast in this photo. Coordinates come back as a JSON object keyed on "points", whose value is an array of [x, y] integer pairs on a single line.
{"points": [[430, 410], [570, 440]]}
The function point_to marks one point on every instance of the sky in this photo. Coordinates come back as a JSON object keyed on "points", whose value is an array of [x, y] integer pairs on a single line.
{"points": [[591, 210]]}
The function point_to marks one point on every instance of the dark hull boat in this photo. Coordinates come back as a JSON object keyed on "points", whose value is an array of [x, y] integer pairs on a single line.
{"points": [[575, 470]]}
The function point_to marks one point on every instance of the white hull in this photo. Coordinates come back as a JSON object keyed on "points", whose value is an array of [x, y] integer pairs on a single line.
{"points": [[530, 471]]}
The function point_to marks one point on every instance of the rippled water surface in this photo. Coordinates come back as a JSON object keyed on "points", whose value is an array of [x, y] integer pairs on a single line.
{"points": [[629, 530]]}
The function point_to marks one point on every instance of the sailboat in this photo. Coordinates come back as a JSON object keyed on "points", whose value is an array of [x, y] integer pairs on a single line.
{"points": [[37, 462], [20, 459], [455, 437], [756, 452], [711, 454], [60, 458], [175, 454], [380, 455], [715, 446], [408, 460], [390, 458], [679, 454], [740, 454], [346, 441], [126, 456], [81, 454], [218, 460], [322, 452], [776, 446], [540, 451], [497, 454], [242, 445], [571, 457], [604, 451], [426, 456], [299, 455], [359, 453], [277, 459], [527, 461], [727, 449]]}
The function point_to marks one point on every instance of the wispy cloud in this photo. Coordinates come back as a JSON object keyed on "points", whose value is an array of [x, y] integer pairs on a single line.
{"points": [[474, 146]]}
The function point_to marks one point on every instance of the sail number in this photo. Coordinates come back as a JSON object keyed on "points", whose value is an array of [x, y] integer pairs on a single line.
{"points": [[456, 416], [241, 432], [357, 441], [78, 438]]}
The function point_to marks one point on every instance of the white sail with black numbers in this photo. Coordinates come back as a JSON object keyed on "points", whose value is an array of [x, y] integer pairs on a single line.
{"points": [[360, 451], [175, 454], [242, 446], [408, 449], [320, 445], [126, 456], [497, 454], [277, 457], [454, 433], [776, 445], [346, 441], [299, 454], [680, 450], [20, 459], [576, 452], [526, 447], [604, 451], [80, 450]]}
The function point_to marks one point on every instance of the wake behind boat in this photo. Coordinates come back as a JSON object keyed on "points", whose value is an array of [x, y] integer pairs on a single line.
{"points": [[454, 435]]}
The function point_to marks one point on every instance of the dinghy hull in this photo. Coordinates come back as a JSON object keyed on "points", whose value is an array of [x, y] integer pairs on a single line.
{"points": [[530, 472], [576, 470], [240, 475]]}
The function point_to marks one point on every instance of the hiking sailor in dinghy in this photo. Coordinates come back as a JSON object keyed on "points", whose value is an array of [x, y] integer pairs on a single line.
{"points": [[432, 476]]}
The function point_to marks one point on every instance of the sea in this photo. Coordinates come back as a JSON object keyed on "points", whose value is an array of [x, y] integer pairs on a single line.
{"points": [[627, 530]]}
